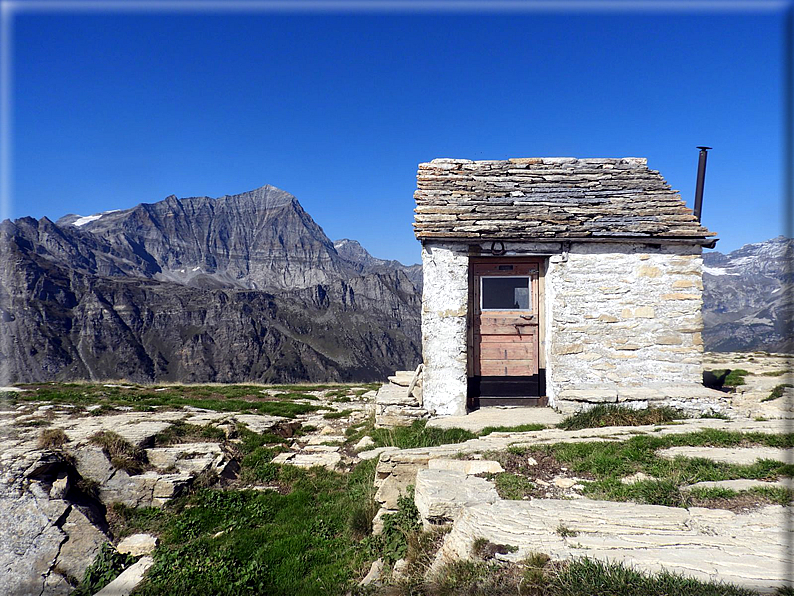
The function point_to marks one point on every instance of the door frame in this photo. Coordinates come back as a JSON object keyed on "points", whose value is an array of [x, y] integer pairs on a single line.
{"points": [[538, 291]]}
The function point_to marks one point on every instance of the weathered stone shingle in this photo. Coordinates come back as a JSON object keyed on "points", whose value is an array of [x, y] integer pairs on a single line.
{"points": [[561, 197]]}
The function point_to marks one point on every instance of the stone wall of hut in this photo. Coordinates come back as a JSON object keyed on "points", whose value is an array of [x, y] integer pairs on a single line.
{"points": [[622, 322]]}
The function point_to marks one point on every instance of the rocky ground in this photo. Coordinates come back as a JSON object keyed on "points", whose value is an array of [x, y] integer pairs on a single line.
{"points": [[72, 456], [64, 466], [531, 492], [754, 398]]}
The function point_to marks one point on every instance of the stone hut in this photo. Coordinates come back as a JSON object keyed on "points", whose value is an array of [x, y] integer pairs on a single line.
{"points": [[557, 281]]}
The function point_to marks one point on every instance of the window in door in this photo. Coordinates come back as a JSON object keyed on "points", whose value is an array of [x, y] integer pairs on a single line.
{"points": [[505, 293]]}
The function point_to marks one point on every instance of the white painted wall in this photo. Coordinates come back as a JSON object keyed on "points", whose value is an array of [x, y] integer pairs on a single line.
{"points": [[444, 320]]}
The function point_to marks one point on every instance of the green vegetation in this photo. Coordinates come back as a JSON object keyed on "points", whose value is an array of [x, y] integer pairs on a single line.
{"points": [[777, 392], [538, 576], [221, 398], [595, 578], [565, 531], [521, 428], [608, 462], [122, 454], [124, 520], [52, 438], [772, 494], [419, 435], [775, 373], [611, 415], [513, 486], [217, 542], [392, 543], [337, 415], [106, 567]]}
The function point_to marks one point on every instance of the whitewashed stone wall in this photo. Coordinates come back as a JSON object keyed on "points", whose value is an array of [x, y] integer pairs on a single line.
{"points": [[622, 323], [622, 316], [444, 321]]}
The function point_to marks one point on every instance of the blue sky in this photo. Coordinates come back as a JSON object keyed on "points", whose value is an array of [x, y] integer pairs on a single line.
{"points": [[111, 110]]}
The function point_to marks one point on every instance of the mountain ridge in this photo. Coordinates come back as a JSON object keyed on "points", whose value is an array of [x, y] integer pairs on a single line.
{"points": [[243, 287], [747, 301]]}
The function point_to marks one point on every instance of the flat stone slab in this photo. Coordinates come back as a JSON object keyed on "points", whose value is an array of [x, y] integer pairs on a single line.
{"points": [[136, 427], [730, 455], [188, 458], [394, 395], [498, 416], [441, 495], [373, 453], [125, 583], [326, 459], [320, 439], [709, 544], [137, 544], [259, 423], [473, 466]]}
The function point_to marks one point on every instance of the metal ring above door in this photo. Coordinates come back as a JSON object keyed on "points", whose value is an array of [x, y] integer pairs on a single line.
{"points": [[498, 252]]}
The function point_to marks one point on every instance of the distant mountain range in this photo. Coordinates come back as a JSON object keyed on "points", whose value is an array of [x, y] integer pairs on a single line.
{"points": [[243, 287], [249, 288], [747, 297]]}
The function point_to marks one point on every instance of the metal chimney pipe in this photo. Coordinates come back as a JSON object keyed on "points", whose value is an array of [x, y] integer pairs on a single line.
{"points": [[701, 181]]}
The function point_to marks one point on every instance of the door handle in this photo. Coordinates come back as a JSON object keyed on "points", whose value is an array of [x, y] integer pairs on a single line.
{"points": [[518, 326]]}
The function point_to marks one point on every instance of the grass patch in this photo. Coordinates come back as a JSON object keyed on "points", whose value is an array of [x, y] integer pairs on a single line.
{"points": [[122, 454], [220, 398], [52, 438], [418, 435], [779, 495], [301, 541], [512, 486], [337, 415], [521, 428], [565, 532], [124, 520], [611, 415], [607, 462], [777, 392], [538, 576], [392, 543], [106, 567], [775, 373], [595, 578]]}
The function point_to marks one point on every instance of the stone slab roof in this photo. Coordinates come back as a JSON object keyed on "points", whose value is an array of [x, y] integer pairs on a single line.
{"points": [[549, 198]]}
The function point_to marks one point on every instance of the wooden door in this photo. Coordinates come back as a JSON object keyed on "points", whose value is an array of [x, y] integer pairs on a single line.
{"points": [[505, 329]]}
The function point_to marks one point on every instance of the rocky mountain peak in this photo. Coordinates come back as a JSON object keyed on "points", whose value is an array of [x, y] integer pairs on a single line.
{"points": [[267, 195], [747, 301]]}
